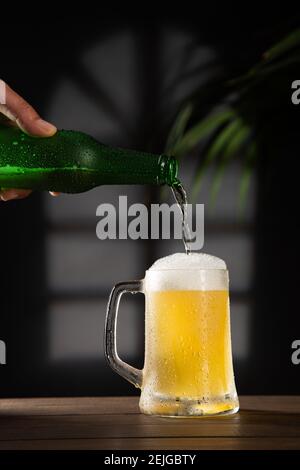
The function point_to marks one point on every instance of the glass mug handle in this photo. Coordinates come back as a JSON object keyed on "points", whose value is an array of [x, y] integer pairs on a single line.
{"points": [[129, 373]]}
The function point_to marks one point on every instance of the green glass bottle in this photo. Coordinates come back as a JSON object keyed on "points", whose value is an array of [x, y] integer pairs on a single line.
{"points": [[73, 162]]}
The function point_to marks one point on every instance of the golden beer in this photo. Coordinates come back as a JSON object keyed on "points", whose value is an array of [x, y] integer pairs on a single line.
{"points": [[189, 347], [188, 367]]}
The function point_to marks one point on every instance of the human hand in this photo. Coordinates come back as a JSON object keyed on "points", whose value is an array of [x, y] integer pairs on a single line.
{"points": [[15, 111]]}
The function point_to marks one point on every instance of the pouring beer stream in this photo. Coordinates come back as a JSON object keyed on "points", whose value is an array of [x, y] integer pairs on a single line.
{"points": [[180, 196]]}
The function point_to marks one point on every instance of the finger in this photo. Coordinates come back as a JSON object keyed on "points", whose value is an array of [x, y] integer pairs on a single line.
{"points": [[25, 115], [10, 194]]}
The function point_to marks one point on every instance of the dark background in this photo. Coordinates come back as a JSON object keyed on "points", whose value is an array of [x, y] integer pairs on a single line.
{"points": [[123, 81]]}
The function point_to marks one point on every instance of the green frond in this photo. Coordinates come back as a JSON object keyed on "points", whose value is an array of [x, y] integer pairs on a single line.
{"points": [[246, 175], [216, 148], [201, 130], [178, 128], [241, 135], [289, 42]]}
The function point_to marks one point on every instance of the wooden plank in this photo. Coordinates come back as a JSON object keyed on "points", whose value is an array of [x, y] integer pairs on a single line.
{"points": [[68, 405], [279, 403], [242, 418], [115, 423], [128, 405], [266, 443], [122, 426]]}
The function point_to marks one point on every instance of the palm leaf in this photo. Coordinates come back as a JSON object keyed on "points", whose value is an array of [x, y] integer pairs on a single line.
{"points": [[246, 175], [201, 130], [178, 128], [241, 135], [261, 72], [219, 143], [262, 68], [289, 42], [250, 95]]}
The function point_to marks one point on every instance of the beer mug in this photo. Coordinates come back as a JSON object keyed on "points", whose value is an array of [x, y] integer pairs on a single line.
{"points": [[188, 367]]}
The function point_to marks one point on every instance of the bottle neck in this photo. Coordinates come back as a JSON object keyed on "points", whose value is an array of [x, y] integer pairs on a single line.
{"points": [[168, 170]]}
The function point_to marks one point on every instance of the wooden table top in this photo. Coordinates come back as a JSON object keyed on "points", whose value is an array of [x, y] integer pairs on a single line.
{"points": [[264, 422]]}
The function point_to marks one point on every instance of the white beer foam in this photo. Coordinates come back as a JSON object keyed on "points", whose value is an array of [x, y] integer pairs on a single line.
{"points": [[191, 261], [196, 271]]}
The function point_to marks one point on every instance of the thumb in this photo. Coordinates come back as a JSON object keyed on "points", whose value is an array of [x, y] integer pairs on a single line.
{"points": [[25, 116]]}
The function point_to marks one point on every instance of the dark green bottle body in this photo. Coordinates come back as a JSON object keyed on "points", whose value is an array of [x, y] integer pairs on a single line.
{"points": [[74, 162]]}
